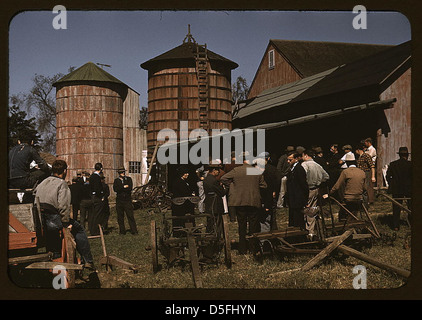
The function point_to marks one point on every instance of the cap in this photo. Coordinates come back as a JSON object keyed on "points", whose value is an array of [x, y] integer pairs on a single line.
{"points": [[347, 147], [121, 169], [350, 157]]}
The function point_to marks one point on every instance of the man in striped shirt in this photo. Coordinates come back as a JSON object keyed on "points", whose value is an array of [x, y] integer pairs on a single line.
{"points": [[365, 163]]}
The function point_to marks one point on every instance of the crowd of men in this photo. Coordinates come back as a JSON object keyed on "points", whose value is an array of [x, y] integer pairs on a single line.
{"points": [[301, 180], [248, 191]]}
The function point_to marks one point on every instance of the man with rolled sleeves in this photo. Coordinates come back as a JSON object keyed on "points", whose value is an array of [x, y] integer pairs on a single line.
{"points": [[123, 186]]}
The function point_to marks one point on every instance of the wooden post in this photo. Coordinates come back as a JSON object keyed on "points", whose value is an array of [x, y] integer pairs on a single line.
{"points": [[193, 256], [102, 241], [359, 255], [324, 253], [151, 164]]}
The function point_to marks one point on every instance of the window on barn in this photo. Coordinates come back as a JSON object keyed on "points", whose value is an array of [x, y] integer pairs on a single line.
{"points": [[134, 166], [271, 59]]}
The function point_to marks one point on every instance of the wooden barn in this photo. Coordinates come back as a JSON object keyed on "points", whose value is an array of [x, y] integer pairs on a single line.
{"points": [[97, 120], [286, 61], [368, 97]]}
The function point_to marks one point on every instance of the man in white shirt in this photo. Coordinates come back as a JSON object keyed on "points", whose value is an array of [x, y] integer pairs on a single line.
{"points": [[347, 151], [370, 149]]}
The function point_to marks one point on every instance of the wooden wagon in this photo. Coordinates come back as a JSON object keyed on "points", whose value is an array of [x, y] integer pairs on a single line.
{"points": [[203, 243], [27, 240]]}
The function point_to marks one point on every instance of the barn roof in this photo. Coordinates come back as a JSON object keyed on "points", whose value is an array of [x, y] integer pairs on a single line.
{"points": [[361, 81], [312, 57], [89, 72], [186, 52]]}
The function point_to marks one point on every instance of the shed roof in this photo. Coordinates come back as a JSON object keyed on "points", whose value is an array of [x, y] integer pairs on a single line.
{"points": [[186, 52], [364, 77], [89, 72], [312, 57]]}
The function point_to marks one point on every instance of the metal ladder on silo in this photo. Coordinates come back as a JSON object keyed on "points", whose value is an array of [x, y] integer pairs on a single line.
{"points": [[201, 58]]}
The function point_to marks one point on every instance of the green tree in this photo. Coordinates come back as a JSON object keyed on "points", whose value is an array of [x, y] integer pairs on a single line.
{"points": [[21, 128]]}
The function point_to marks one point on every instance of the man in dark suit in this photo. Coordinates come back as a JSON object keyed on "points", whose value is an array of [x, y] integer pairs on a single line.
{"points": [[75, 191], [297, 191], [97, 193], [123, 186], [214, 193], [399, 178], [181, 189], [20, 174], [272, 178], [244, 194]]}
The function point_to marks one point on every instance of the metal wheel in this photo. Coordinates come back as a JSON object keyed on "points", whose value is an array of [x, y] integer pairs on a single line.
{"points": [[227, 243], [154, 248]]}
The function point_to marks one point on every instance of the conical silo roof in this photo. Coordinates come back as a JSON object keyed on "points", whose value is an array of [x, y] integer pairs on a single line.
{"points": [[89, 72]]}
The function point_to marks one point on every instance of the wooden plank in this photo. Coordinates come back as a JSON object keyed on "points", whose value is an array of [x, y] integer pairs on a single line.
{"points": [[52, 264], [324, 253], [193, 257], [22, 240], [114, 261], [33, 258], [18, 226], [361, 256]]}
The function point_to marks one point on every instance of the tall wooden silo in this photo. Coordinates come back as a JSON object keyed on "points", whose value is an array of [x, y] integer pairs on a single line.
{"points": [[188, 83], [89, 120]]}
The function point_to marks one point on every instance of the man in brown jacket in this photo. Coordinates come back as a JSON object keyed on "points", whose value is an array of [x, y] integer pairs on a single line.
{"points": [[244, 195], [353, 186]]}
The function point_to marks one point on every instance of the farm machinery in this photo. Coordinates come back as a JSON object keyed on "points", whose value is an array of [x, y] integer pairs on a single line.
{"points": [[195, 242]]}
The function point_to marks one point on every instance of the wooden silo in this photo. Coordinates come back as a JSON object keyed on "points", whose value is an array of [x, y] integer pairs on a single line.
{"points": [[89, 120], [188, 83]]}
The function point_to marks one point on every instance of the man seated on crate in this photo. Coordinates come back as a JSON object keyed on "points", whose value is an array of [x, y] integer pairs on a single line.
{"points": [[54, 197], [20, 174]]}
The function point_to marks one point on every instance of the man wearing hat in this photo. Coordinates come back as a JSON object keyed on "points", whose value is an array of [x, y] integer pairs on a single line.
{"points": [[350, 186], [347, 149], [123, 186], [283, 168], [244, 194], [399, 178]]}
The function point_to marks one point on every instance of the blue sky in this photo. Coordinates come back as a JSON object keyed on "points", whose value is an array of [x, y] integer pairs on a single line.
{"points": [[125, 39]]}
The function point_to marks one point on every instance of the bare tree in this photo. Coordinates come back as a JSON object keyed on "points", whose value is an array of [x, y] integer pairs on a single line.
{"points": [[40, 102], [240, 90], [143, 121]]}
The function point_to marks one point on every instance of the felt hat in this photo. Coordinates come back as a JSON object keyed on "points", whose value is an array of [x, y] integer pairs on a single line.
{"points": [[403, 150]]}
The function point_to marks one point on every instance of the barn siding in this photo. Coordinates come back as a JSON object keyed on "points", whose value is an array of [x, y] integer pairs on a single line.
{"points": [[399, 121], [134, 138], [282, 73]]}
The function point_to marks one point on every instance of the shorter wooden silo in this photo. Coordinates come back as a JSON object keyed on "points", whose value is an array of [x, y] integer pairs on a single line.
{"points": [[89, 120]]}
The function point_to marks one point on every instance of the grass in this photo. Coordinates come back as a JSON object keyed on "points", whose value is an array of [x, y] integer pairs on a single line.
{"points": [[334, 272]]}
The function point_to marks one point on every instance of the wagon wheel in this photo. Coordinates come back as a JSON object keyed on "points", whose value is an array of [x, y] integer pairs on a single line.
{"points": [[70, 256], [154, 248], [227, 244]]}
